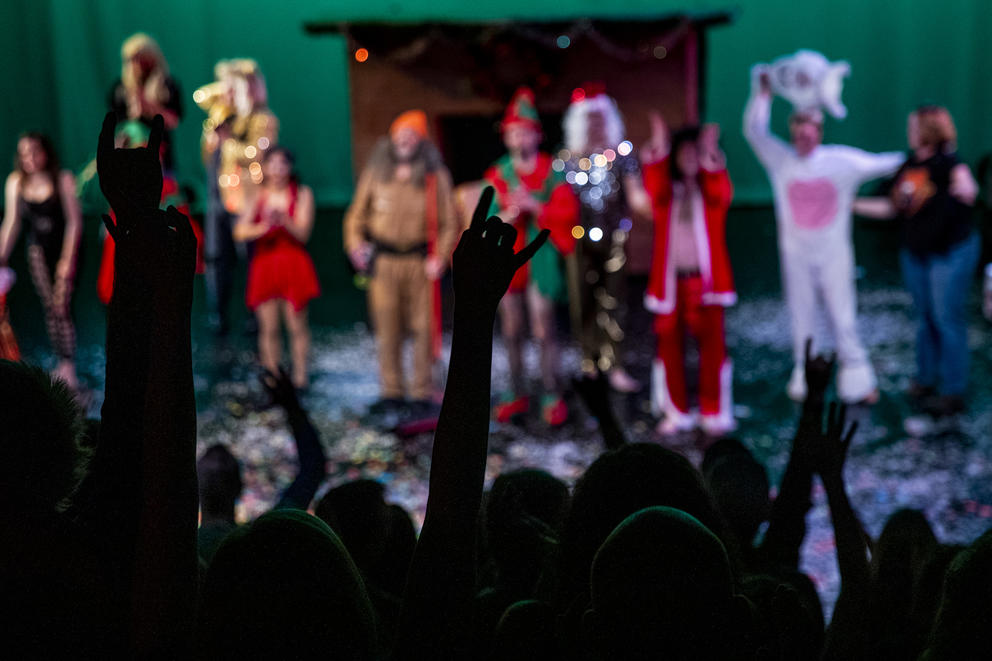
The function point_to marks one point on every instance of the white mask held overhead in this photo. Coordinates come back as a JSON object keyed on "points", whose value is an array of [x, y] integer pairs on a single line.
{"points": [[807, 80]]}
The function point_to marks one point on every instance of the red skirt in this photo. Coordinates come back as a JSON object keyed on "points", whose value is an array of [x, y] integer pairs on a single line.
{"points": [[281, 268]]}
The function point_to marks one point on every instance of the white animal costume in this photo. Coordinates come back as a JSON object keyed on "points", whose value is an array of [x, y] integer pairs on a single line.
{"points": [[813, 198]]}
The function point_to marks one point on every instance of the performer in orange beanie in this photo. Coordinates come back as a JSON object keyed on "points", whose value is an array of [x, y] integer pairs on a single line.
{"points": [[401, 229]]}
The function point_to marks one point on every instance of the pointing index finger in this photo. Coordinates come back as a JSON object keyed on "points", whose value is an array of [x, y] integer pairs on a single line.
{"points": [[105, 145], [482, 209]]}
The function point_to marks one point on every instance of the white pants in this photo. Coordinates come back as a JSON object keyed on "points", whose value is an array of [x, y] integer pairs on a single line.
{"points": [[803, 278]]}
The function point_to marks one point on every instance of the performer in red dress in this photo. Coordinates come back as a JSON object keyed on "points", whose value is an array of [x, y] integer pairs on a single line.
{"points": [[691, 280], [281, 276]]}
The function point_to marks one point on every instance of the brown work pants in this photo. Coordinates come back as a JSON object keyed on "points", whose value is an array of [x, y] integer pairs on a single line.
{"points": [[400, 303]]}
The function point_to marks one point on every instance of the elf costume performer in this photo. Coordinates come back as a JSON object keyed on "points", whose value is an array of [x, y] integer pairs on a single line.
{"points": [[531, 195], [691, 280], [814, 187], [401, 229]]}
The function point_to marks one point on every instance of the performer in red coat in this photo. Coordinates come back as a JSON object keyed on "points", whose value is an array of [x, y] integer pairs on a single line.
{"points": [[691, 279]]}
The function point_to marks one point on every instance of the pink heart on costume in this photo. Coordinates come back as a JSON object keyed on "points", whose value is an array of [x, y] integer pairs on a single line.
{"points": [[813, 202]]}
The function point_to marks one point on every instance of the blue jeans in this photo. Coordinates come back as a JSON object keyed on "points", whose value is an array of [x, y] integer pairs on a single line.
{"points": [[939, 285]]}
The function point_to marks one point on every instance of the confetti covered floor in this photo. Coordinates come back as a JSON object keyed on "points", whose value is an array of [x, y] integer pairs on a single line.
{"points": [[948, 477]]}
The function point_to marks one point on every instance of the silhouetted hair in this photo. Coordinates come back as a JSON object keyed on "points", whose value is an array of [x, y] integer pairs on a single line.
{"points": [[285, 587], [42, 454], [662, 588], [219, 477], [962, 630]]}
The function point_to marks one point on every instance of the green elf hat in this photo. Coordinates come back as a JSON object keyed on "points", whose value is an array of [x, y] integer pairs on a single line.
{"points": [[522, 110]]}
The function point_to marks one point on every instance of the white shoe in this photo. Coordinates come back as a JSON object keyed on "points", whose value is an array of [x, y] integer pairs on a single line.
{"points": [[675, 422], [796, 388], [717, 425]]}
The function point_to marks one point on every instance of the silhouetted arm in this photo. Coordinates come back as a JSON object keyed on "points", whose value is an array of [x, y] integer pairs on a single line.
{"points": [[844, 639], [309, 452], [143, 485], [435, 620], [787, 520]]}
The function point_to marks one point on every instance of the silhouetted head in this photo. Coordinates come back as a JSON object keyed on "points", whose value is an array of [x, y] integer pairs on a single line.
{"points": [[963, 629], [616, 485], [379, 536], [526, 632], [285, 587], [219, 476], [42, 454], [523, 500], [739, 485], [662, 588], [358, 514], [788, 615]]}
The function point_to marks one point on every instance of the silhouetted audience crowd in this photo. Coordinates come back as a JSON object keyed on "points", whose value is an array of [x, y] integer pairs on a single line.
{"points": [[646, 558]]}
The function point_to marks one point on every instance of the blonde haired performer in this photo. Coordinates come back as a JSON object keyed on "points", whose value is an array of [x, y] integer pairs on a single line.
{"points": [[146, 89], [237, 133]]}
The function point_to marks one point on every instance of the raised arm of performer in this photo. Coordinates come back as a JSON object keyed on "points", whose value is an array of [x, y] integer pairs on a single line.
{"points": [[654, 155], [436, 615], [769, 148]]}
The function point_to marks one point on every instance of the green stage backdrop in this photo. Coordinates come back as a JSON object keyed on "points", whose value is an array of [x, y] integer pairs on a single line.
{"points": [[60, 57]]}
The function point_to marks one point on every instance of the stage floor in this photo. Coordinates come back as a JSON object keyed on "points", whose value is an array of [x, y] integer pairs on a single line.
{"points": [[948, 477]]}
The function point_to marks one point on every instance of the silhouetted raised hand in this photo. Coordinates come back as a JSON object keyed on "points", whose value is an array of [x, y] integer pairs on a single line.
{"points": [[484, 261], [819, 370], [828, 449], [436, 617], [131, 179]]}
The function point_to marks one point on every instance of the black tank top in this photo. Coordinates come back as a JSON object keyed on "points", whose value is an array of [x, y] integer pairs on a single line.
{"points": [[45, 223]]}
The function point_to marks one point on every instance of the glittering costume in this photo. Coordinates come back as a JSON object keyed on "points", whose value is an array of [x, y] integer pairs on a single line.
{"points": [[690, 284], [404, 222], [599, 277], [280, 266], [234, 168]]}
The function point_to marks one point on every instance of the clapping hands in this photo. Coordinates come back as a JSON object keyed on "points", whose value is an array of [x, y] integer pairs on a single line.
{"points": [[484, 261]]}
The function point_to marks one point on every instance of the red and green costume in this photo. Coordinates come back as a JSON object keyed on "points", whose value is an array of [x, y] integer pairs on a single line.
{"points": [[558, 213]]}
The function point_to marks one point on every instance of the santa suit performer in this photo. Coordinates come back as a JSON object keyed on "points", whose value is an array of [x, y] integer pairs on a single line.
{"points": [[691, 280], [606, 178], [401, 228], [531, 195], [814, 187]]}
